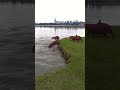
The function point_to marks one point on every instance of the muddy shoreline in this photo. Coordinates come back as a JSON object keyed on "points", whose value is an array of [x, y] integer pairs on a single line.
{"points": [[65, 55]]}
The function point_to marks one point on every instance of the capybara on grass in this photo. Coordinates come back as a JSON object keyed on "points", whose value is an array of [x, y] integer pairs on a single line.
{"points": [[75, 38], [99, 28], [54, 43], [56, 37]]}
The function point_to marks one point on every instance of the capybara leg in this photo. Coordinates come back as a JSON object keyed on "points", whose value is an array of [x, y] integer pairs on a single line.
{"points": [[81, 39], [112, 34]]}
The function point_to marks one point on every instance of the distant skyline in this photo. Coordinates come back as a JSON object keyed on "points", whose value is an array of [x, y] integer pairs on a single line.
{"points": [[62, 10]]}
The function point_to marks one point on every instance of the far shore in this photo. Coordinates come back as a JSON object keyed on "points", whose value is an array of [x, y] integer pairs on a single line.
{"points": [[58, 26]]}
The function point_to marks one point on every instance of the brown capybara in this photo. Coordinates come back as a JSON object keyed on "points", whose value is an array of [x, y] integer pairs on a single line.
{"points": [[54, 43], [75, 38], [56, 37], [99, 28]]}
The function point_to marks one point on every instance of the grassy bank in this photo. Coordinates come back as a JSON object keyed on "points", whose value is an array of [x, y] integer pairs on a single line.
{"points": [[72, 77], [103, 62]]}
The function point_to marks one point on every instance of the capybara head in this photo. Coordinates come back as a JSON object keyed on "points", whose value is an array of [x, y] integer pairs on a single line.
{"points": [[56, 37], [71, 37]]}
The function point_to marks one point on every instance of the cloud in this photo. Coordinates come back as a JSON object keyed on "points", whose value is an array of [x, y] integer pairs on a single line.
{"points": [[47, 10]]}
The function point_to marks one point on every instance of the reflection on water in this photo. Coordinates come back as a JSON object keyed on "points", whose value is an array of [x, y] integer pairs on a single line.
{"points": [[107, 13], [61, 32]]}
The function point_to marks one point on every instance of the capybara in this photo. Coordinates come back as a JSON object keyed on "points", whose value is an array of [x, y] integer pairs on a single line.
{"points": [[56, 37], [75, 38], [99, 28], [54, 43]]}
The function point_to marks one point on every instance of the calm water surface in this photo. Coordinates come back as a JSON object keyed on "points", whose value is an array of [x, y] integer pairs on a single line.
{"points": [[61, 32], [13, 15], [107, 13], [16, 40]]}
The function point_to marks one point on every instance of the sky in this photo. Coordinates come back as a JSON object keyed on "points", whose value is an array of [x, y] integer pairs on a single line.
{"points": [[62, 10]]}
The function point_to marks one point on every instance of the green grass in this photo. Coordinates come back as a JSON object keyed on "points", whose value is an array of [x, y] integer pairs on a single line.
{"points": [[102, 65], [72, 77], [103, 62]]}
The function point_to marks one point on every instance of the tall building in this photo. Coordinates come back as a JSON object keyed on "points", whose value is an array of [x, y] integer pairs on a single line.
{"points": [[55, 20]]}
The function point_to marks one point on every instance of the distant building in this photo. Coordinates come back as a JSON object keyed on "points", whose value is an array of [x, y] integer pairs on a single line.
{"points": [[55, 20], [75, 22]]}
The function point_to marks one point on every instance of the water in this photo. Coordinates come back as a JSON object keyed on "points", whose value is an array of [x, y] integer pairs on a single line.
{"points": [[61, 32], [16, 40], [107, 13], [50, 59], [13, 15]]}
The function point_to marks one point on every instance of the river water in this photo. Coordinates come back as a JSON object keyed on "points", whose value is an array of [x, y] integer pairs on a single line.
{"points": [[16, 40], [108, 13], [13, 15], [50, 59]]}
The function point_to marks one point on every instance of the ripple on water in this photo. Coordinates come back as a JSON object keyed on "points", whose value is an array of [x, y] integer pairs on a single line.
{"points": [[47, 59]]}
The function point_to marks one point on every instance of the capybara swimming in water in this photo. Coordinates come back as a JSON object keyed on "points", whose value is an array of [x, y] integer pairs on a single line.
{"points": [[75, 38], [54, 43], [56, 37], [99, 28]]}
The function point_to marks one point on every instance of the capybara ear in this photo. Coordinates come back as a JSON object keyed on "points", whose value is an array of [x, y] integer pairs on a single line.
{"points": [[99, 22], [56, 37]]}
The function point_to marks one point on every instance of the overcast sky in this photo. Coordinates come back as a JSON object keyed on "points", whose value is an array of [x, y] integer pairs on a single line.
{"points": [[47, 10]]}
